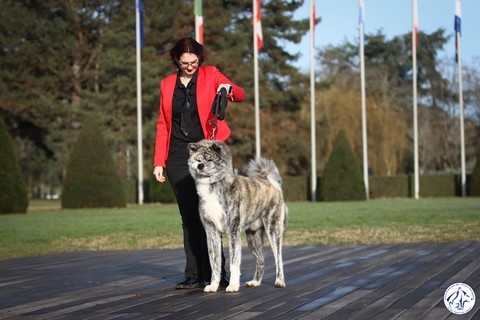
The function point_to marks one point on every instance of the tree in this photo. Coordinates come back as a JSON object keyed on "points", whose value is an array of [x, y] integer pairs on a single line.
{"points": [[92, 180], [389, 85], [64, 60], [48, 60], [342, 178], [13, 192]]}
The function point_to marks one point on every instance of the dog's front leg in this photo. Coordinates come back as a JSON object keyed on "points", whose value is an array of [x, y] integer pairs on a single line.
{"points": [[214, 242], [235, 246]]}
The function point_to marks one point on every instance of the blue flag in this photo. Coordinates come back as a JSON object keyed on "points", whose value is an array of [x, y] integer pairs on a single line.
{"points": [[457, 26], [139, 9]]}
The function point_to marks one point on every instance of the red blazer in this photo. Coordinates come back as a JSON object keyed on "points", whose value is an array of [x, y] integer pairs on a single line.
{"points": [[208, 80]]}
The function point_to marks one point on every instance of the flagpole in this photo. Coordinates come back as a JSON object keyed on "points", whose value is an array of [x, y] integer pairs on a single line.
{"points": [[139, 101], [312, 102], [364, 104], [415, 106], [255, 75], [460, 94], [462, 128]]}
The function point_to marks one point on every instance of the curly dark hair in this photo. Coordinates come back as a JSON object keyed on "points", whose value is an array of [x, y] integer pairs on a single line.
{"points": [[187, 45]]}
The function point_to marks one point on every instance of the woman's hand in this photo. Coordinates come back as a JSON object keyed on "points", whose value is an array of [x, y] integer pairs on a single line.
{"points": [[226, 86], [158, 173]]}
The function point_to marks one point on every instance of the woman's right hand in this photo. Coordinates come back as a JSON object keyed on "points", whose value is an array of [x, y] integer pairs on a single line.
{"points": [[158, 173]]}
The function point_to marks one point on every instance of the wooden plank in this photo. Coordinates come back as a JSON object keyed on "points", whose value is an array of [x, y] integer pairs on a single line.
{"points": [[402, 281]]}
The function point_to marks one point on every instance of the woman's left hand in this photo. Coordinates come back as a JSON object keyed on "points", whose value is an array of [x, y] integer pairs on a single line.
{"points": [[226, 86]]}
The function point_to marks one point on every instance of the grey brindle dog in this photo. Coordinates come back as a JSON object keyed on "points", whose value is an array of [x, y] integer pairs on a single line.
{"points": [[230, 203]]}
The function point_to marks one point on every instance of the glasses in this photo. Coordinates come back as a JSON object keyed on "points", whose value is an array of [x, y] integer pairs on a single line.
{"points": [[193, 64]]}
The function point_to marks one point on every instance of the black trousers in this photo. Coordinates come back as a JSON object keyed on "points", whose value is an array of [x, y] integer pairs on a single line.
{"points": [[194, 237]]}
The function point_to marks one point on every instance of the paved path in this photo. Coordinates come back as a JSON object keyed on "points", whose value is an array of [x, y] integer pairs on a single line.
{"points": [[401, 281]]}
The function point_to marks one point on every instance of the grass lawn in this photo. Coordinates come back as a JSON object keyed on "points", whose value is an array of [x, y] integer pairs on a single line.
{"points": [[48, 229]]}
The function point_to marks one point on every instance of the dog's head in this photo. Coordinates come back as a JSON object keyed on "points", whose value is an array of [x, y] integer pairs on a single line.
{"points": [[209, 159]]}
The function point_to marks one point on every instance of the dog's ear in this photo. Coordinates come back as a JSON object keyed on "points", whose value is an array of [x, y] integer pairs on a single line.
{"points": [[192, 147], [217, 147]]}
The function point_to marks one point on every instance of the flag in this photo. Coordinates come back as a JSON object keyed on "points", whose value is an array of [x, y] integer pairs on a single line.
{"points": [[361, 11], [197, 11], [139, 10], [258, 21], [313, 19], [457, 26]]}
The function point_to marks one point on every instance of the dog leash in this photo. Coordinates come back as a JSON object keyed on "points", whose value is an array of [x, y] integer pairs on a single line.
{"points": [[217, 112], [215, 116]]}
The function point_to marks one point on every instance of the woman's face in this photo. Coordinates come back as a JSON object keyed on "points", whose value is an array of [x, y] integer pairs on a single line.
{"points": [[188, 63]]}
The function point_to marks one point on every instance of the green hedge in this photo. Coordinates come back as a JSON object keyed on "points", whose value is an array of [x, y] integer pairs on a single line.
{"points": [[389, 187], [298, 188], [295, 188], [155, 191], [92, 180], [475, 178], [13, 189], [342, 178], [400, 186], [437, 186]]}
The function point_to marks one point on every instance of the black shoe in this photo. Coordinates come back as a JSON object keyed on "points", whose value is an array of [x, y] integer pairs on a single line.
{"points": [[223, 284], [202, 284], [189, 283]]}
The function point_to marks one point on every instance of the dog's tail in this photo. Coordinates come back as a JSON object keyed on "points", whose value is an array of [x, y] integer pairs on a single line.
{"points": [[266, 169]]}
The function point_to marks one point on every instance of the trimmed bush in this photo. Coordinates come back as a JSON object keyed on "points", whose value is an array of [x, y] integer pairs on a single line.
{"points": [[92, 180], [389, 186], [342, 178], [13, 190], [296, 188], [159, 192], [475, 182]]}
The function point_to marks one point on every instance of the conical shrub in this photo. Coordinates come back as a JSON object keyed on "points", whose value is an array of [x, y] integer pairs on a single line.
{"points": [[475, 180], [91, 180], [342, 178], [13, 190]]}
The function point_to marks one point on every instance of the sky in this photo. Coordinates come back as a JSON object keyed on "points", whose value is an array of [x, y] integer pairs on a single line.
{"points": [[339, 23]]}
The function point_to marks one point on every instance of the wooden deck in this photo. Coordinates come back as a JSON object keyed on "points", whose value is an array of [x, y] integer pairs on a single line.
{"points": [[402, 281]]}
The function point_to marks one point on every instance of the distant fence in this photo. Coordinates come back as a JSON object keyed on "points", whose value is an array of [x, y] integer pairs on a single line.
{"points": [[298, 188]]}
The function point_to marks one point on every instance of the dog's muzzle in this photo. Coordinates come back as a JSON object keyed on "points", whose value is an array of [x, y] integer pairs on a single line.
{"points": [[200, 166]]}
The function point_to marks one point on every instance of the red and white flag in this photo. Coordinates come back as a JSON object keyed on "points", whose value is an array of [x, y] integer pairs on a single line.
{"points": [[313, 19], [258, 22], [197, 10]]}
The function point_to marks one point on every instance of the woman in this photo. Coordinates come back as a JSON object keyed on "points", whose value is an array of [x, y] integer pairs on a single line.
{"points": [[186, 99]]}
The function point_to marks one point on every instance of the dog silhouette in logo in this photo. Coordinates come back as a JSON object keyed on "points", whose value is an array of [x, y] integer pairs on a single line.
{"points": [[458, 299]]}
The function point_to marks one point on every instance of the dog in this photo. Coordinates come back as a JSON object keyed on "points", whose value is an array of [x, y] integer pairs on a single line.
{"points": [[229, 203]]}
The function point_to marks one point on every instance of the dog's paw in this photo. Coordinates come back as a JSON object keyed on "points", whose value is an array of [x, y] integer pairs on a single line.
{"points": [[211, 288], [280, 284], [252, 283], [233, 288]]}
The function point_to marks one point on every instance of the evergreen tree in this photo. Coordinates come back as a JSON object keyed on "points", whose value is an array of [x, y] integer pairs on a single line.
{"points": [[342, 178], [475, 182], [92, 180], [13, 191]]}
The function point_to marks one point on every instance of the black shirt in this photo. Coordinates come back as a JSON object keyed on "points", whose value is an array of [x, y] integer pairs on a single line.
{"points": [[179, 96]]}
